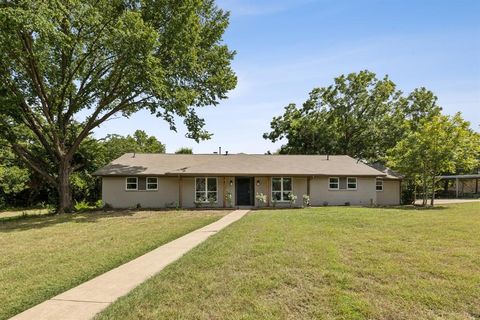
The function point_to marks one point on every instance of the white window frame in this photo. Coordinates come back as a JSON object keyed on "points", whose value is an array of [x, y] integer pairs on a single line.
{"points": [[281, 189], [147, 183], [377, 185], [206, 190], [338, 183], [356, 183], [127, 183]]}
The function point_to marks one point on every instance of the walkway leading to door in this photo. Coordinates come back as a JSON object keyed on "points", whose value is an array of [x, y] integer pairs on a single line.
{"points": [[91, 297]]}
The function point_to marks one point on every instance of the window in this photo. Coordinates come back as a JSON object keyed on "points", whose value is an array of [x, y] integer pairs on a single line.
{"points": [[333, 183], [206, 189], [351, 183], [281, 188], [152, 183], [379, 185], [131, 183]]}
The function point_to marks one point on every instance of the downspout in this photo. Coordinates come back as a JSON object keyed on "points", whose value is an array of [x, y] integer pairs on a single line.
{"points": [[223, 193], [180, 205]]}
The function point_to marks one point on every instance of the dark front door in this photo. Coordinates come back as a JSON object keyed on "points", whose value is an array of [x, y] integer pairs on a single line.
{"points": [[244, 187]]}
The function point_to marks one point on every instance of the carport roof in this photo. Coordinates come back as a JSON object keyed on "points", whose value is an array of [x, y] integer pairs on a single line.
{"points": [[236, 165]]}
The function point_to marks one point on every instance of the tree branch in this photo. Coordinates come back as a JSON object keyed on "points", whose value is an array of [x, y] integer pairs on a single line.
{"points": [[32, 162]]}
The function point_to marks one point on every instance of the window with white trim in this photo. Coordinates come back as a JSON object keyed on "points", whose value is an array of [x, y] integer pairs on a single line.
{"points": [[131, 183], [333, 183], [152, 183], [206, 189], [351, 183], [281, 188], [379, 185]]}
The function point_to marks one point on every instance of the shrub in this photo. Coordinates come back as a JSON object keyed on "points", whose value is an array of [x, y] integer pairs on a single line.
{"points": [[82, 206], [306, 200], [292, 198], [212, 201], [261, 198], [325, 203], [408, 194], [99, 204], [347, 203], [229, 198]]}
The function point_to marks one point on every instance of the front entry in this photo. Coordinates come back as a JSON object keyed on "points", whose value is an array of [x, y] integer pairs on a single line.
{"points": [[244, 191]]}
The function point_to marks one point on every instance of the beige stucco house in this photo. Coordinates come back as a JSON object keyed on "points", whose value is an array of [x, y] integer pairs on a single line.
{"points": [[182, 180]]}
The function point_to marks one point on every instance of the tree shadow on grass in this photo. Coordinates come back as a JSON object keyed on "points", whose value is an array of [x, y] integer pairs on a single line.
{"points": [[28, 222]]}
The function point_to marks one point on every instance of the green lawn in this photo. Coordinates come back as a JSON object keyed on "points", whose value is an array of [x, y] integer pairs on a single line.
{"points": [[325, 263], [43, 256]]}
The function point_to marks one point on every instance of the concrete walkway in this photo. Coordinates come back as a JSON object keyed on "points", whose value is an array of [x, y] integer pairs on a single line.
{"points": [[91, 297], [448, 201]]}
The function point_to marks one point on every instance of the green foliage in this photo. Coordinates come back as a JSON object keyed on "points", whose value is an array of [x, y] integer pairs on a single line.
{"points": [[261, 198], [14, 177], [24, 187], [306, 200], [408, 193], [437, 145], [117, 145], [359, 115], [229, 198], [94, 60], [292, 198], [83, 206], [184, 150]]}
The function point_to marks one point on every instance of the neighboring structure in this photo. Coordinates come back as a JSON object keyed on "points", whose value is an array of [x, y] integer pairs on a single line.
{"points": [[456, 186], [183, 180]]}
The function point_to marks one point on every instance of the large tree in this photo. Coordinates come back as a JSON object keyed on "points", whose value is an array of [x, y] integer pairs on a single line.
{"points": [[436, 145], [116, 145], [359, 115], [68, 66]]}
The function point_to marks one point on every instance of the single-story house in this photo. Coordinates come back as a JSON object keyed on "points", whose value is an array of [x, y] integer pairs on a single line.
{"points": [[233, 180]]}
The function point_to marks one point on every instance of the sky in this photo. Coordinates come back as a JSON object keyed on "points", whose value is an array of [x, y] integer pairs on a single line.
{"points": [[285, 48]]}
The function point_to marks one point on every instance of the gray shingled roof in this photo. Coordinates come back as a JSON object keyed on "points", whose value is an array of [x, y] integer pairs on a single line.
{"points": [[391, 175], [235, 165]]}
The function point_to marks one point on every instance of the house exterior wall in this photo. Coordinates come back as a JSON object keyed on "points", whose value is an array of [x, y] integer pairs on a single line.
{"points": [[390, 194], [115, 194], [365, 193], [299, 188], [167, 195]]}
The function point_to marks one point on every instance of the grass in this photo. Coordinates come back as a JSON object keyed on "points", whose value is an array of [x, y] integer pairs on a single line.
{"points": [[44, 256], [12, 214], [323, 263]]}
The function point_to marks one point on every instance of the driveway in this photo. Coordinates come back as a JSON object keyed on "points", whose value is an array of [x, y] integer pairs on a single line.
{"points": [[449, 201]]}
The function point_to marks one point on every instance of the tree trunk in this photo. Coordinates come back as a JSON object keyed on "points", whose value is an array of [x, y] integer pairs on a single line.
{"points": [[433, 192], [414, 192], [63, 188], [424, 197]]}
